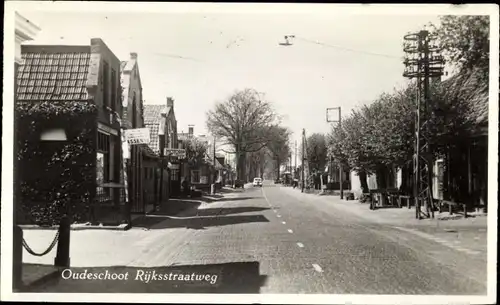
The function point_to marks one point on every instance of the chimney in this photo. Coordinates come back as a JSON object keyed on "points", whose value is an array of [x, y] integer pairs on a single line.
{"points": [[170, 102], [190, 130], [133, 55]]}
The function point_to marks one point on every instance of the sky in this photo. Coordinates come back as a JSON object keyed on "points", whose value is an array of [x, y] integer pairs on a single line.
{"points": [[201, 58]]}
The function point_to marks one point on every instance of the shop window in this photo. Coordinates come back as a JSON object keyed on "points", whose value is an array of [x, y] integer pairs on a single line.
{"points": [[195, 176]]}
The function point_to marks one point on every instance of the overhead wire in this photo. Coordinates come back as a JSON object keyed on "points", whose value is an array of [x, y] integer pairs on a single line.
{"points": [[347, 49]]}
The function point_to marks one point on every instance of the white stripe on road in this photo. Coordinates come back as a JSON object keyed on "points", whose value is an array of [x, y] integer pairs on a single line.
{"points": [[300, 245], [279, 216], [317, 268], [283, 222], [290, 231]]}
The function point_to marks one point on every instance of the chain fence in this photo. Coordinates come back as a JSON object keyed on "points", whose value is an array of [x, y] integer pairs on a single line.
{"points": [[47, 251], [28, 248]]}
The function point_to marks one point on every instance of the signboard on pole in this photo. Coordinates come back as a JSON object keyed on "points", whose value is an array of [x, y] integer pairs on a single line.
{"points": [[176, 153], [137, 136]]}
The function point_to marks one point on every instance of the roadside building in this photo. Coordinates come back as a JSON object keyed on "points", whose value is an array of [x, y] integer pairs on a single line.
{"points": [[141, 160], [68, 115], [162, 125]]}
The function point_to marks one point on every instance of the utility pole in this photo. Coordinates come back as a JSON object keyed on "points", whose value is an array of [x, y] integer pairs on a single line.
{"points": [[162, 135], [339, 120], [303, 158], [422, 62], [295, 155]]}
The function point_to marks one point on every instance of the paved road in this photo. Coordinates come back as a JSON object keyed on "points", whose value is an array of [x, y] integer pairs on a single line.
{"points": [[266, 240]]}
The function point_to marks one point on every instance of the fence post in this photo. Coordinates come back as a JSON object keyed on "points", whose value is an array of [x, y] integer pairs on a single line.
{"points": [[62, 257], [17, 258]]}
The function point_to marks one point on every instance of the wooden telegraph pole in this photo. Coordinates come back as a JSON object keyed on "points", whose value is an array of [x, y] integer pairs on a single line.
{"points": [[328, 120], [303, 158]]}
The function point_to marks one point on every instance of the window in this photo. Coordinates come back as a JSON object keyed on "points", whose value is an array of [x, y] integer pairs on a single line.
{"points": [[113, 90], [103, 165], [134, 111], [105, 84], [174, 175], [195, 176], [103, 152]]}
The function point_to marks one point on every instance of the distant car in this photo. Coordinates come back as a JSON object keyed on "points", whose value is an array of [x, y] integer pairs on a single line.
{"points": [[238, 184], [277, 181], [257, 182]]}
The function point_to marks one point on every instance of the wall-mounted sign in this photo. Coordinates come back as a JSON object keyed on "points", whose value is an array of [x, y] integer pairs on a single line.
{"points": [[137, 136], [175, 152], [173, 166], [107, 129]]}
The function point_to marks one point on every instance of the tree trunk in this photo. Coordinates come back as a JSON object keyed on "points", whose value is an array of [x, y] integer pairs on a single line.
{"points": [[278, 169], [363, 179], [381, 176], [241, 166]]}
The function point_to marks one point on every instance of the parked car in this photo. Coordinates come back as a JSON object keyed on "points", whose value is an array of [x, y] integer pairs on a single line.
{"points": [[277, 181], [238, 184], [257, 182]]}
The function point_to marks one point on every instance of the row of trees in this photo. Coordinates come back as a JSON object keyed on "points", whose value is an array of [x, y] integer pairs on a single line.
{"points": [[379, 137], [252, 129]]}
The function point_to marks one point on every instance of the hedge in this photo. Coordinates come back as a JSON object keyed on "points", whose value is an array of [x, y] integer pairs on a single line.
{"points": [[55, 178]]}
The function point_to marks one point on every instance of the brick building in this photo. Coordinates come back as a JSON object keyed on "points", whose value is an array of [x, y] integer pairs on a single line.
{"points": [[68, 116]]}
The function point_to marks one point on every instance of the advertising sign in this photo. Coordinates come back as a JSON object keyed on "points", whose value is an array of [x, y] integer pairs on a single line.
{"points": [[175, 152], [137, 136]]}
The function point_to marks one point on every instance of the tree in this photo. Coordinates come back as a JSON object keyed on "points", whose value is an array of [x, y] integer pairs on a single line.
{"points": [[243, 121], [465, 40], [278, 146], [196, 152], [316, 151]]}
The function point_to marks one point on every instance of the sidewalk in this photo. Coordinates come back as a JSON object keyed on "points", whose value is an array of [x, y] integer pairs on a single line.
{"points": [[100, 248], [394, 216], [463, 234]]}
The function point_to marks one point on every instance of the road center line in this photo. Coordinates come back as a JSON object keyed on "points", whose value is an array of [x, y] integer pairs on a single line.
{"points": [[317, 268], [290, 231], [279, 216], [283, 222], [300, 245]]}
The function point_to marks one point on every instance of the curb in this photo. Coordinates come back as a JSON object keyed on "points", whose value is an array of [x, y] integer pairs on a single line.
{"points": [[123, 227]]}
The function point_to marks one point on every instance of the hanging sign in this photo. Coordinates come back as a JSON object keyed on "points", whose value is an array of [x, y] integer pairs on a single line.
{"points": [[175, 152], [137, 136]]}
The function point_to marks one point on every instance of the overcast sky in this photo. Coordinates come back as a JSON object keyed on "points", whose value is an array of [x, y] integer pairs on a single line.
{"points": [[224, 52]]}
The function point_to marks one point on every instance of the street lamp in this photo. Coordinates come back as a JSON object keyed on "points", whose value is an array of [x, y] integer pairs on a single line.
{"points": [[332, 118]]}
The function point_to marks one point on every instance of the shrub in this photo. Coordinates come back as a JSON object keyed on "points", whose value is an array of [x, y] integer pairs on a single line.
{"points": [[55, 178]]}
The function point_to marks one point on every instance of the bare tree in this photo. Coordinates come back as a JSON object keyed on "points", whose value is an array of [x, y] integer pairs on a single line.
{"points": [[278, 146], [196, 150], [242, 121]]}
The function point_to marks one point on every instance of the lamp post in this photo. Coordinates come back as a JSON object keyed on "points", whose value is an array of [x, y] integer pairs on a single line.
{"points": [[339, 120]]}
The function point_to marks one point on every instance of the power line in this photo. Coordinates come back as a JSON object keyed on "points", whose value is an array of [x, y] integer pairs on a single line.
{"points": [[177, 56], [348, 49]]}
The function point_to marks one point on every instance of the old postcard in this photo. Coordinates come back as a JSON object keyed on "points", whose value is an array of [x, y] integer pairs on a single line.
{"points": [[249, 153]]}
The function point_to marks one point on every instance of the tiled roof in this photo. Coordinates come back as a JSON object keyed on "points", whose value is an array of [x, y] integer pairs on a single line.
{"points": [[152, 114], [53, 73], [152, 119], [154, 143], [473, 89]]}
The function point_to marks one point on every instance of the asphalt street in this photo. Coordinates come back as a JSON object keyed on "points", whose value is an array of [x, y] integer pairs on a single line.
{"points": [[266, 240]]}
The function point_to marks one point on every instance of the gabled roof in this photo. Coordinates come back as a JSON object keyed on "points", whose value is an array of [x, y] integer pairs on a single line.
{"points": [[152, 120], [53, 73], [473, 89]]}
